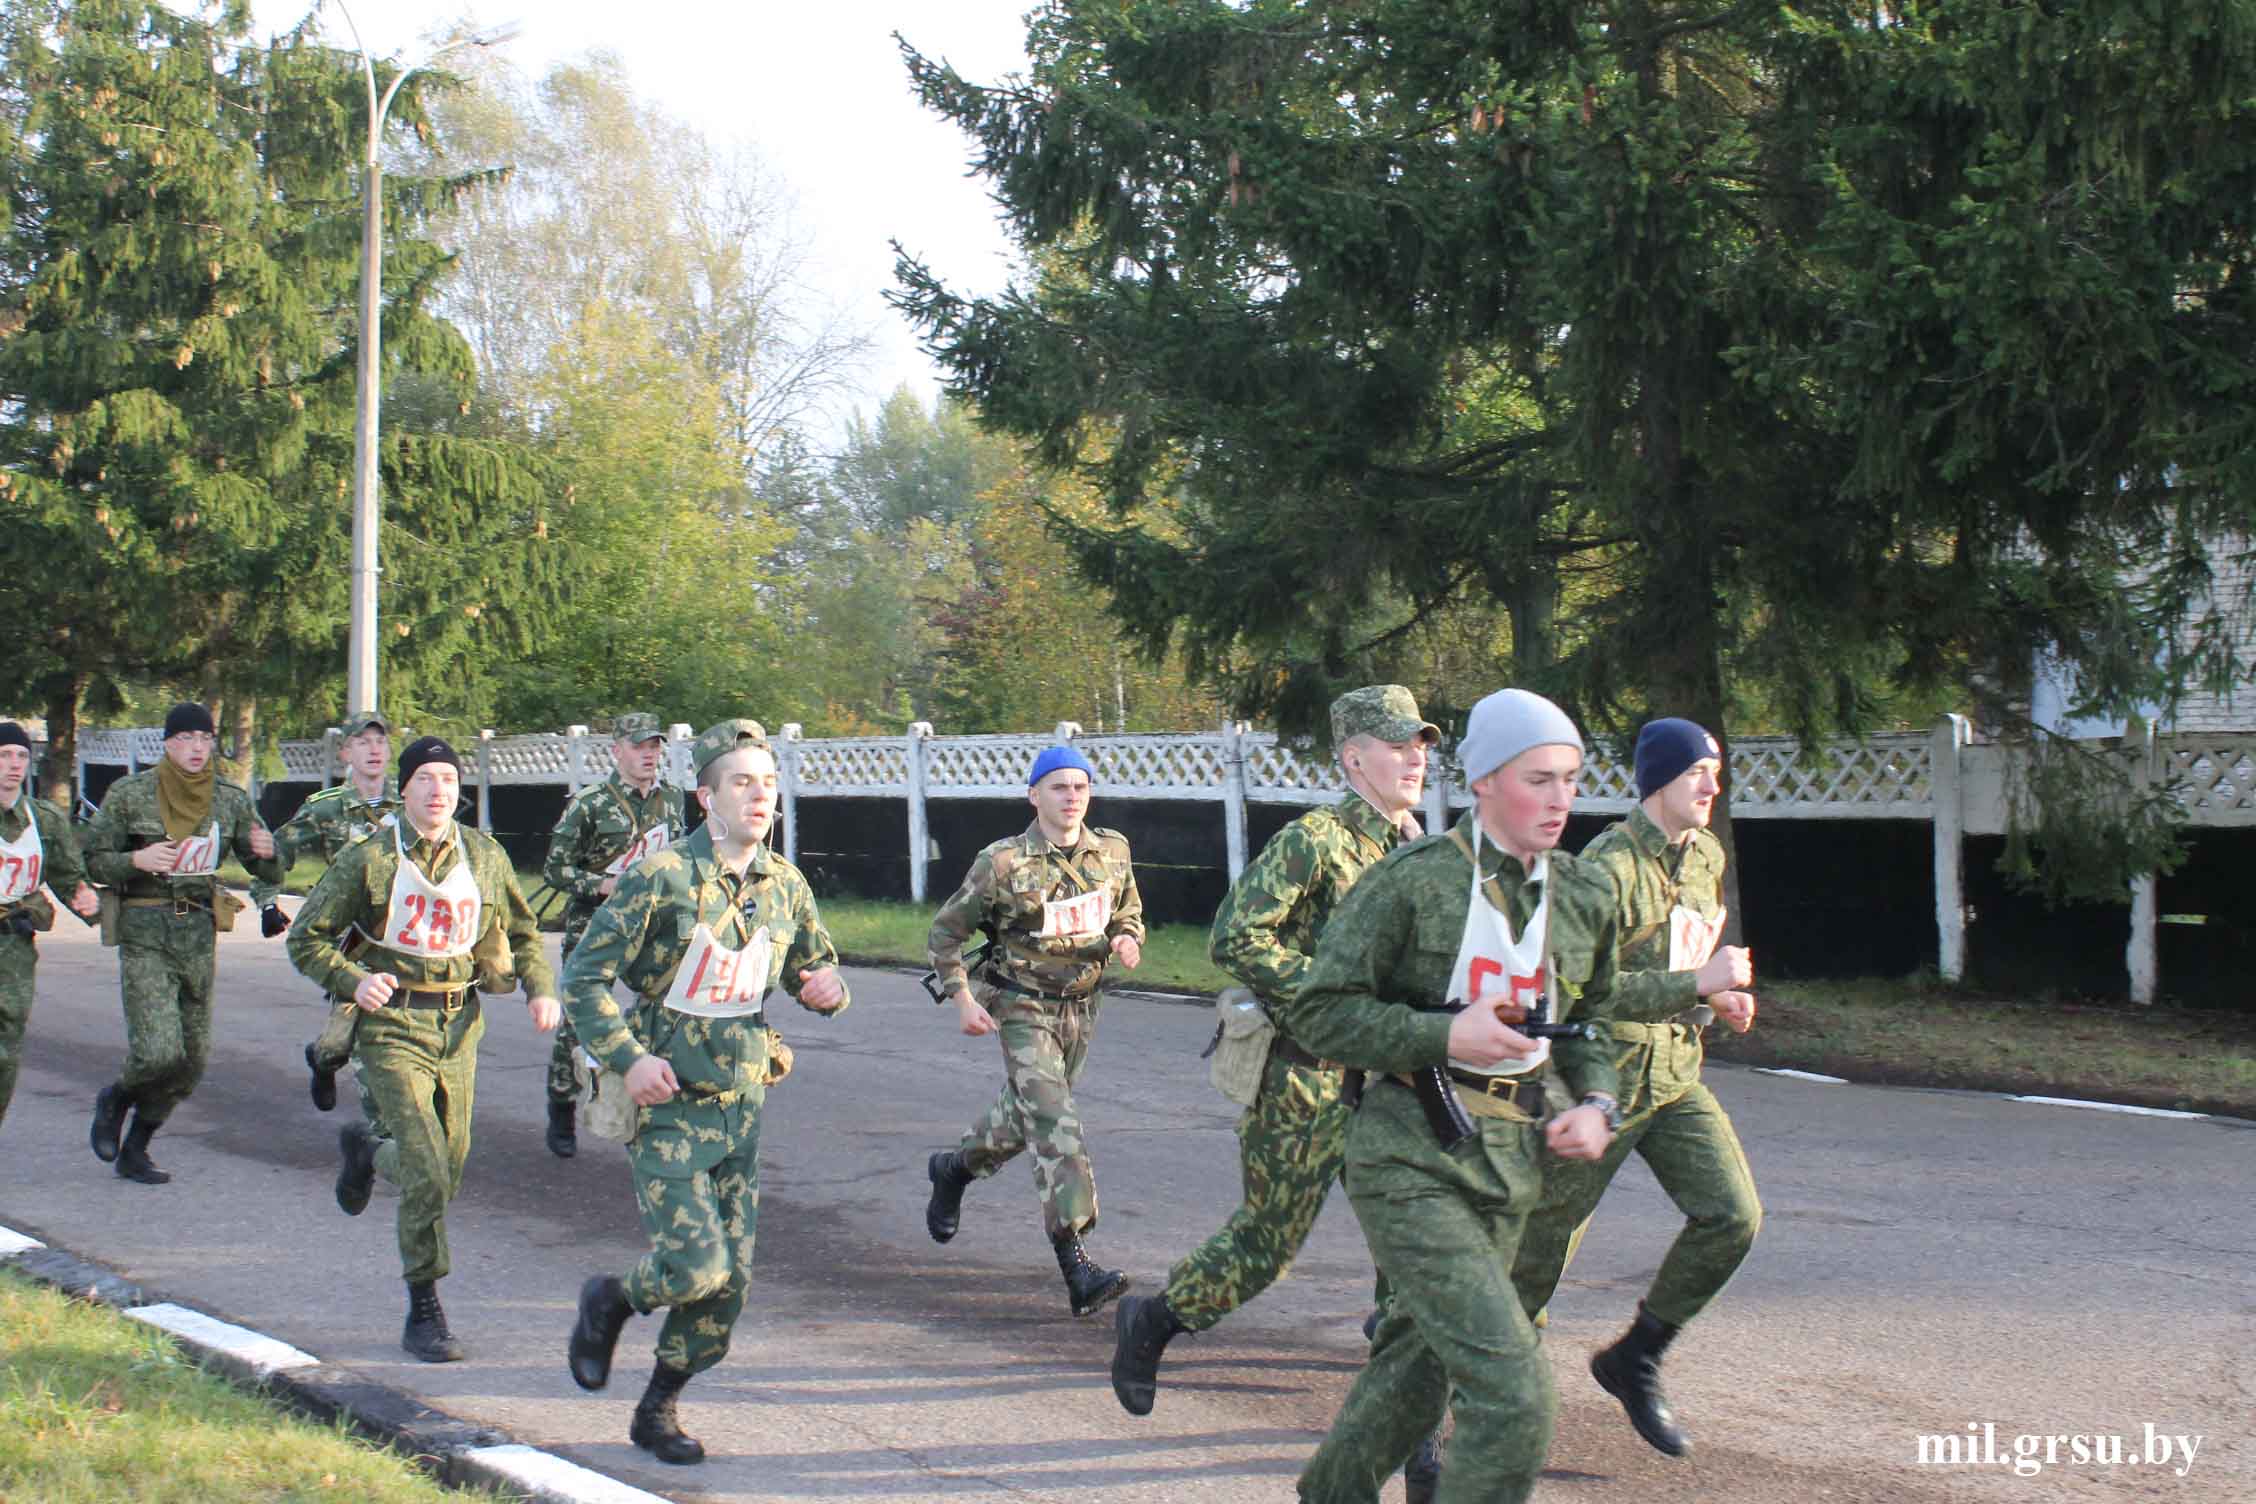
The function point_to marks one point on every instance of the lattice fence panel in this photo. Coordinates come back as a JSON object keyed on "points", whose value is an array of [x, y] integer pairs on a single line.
{"points": [[104, 747], [961, 767], [1280, 773], [1159, 767], [1884, 777], [303, 762], [852, 767], [2216, 776], [544, 757]]}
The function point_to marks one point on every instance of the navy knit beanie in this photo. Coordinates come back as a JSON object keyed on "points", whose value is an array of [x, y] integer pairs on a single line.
{"points": [[1665, 748]]}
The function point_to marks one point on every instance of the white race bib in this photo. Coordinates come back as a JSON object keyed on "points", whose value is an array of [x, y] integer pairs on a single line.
{"points": [[1493, 964], [656, 839], [435, 920], [197, 856], [1082, 914], [22, 860], [1693, 939], [716, 982]]}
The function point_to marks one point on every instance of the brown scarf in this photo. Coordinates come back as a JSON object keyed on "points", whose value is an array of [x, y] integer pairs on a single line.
{"points": [[184, 800]]}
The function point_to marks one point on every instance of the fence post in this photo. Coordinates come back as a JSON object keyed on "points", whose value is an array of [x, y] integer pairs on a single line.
{"points": [[1234, 796], [1947, 788], [485, 780], [331, 740], [2142, 956], [575, 760], [678, 737], [787, 780], [918, 839], [1436, 802]]}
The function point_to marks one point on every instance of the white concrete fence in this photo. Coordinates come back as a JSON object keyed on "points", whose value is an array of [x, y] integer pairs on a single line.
{"points": [[1941, 777]]}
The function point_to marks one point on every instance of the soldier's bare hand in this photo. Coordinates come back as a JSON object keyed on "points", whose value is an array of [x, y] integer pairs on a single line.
{"points": [[375, 990], [85, 901], [262, 842], [1735, 1008], [546, 1012], [824, 990], [973, 1019], [1478, 1037], [650, 1081], [1732, 966], [1129, 949], [607, 887], [1578, 1133], [157, 858]]}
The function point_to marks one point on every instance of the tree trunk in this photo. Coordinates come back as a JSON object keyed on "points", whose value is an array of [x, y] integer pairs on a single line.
{"points": [[64, 693], [243, 759], [1533, 607]]}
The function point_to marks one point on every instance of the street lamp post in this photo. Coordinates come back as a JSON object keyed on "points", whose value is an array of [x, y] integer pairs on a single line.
{"points": [[360, 673]]}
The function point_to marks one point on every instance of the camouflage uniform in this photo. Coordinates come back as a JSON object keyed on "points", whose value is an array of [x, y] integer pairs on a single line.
{"points": [[601, 823], [166, 959], [62, 872], [419, 1052], [1043, 995], [1291, 1140], [327, 822], [695, 1157], [1668, 1115], [1443, 1227]]}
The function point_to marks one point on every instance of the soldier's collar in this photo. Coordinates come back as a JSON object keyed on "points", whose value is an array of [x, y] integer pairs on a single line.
{"points": [[618, 780], [1036, 843], [1363, 815], [705, 861]]}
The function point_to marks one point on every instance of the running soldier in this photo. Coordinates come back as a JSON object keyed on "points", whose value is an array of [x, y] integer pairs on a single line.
{"points": [[1057, 903], [326, 823], [1291, 1140], [36, 846], [1662, 874], [604, 831], [393, 925], [157, 841], [702, 934]]}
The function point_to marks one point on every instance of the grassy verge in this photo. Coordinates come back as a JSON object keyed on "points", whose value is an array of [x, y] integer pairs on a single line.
{"points": [[1907, 1031], [1174, 957], [96, 1409]]}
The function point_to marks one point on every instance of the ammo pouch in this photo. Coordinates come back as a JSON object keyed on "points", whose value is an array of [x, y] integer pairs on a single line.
{"points": [[497, 968], [1239, 1053], [780, 1060], [225, 906], [605, 1108]]}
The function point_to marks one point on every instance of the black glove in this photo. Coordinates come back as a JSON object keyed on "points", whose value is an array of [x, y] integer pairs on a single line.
{"points": [[272, 921], [20, 923]]}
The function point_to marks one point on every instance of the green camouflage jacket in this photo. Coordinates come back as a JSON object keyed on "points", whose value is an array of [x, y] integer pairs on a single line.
{"points": [[1649, 877], [330, 942], [639, 937], [330, 820], [596, 829], [1003, 895], [128, 820], [1265, 932], [61, 867], [1386, 956]]}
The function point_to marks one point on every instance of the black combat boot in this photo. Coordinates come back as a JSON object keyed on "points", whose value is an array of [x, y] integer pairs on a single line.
{"points": [[133, 1161], [1421, 1475], [563, 1135], [1086, 1286], [604, 1309], [1142, 1327], [943, 1214], [356, 1174], [426, 1335], [111, 1104], [1630, 1371], [657, 1428], [324, 1082]]}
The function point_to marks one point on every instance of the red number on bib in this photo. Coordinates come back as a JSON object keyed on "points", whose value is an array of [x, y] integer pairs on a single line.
{"points": [[413, 902]]}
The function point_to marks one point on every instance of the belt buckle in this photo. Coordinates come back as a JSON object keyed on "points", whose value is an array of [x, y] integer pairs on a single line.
{"points": [[180, 908]]}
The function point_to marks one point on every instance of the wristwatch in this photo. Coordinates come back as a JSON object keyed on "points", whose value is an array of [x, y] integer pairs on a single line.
{"points": [[1606, 1105]]}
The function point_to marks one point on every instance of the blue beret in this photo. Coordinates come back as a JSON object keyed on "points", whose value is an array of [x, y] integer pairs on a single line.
{"points": [[1054, 758]]}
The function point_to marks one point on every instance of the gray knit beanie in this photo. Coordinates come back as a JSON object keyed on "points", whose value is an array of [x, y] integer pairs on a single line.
{"points": [[1506, 724]]}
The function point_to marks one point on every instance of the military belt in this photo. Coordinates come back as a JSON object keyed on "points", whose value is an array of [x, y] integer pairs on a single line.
{"points": [[431, 995], [1514, 1099], [181, 907], [1006, 984], [1283, 1048]]}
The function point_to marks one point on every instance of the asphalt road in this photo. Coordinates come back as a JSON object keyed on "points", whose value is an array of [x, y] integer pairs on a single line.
{"points": [[1931, 1261]]}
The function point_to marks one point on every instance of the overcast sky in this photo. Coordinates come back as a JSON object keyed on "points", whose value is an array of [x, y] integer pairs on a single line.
{"points": [[817, 87]]}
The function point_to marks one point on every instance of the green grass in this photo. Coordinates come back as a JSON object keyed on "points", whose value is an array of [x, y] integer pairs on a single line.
{"points": [[96, 1409], [1174, 958]]}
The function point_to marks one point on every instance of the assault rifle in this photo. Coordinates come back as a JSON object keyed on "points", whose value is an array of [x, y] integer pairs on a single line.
{"points": [[1445, 1114]]}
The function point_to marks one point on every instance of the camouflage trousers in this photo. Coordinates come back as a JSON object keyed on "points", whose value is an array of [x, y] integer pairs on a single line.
{"points": [[332, 1050], [1290, 1145], [422, 1066], [1045, 1045], [697, 1180], [563, 1086], [166, 966], [1687, 1141], [19, 961], [1444, 1228]]}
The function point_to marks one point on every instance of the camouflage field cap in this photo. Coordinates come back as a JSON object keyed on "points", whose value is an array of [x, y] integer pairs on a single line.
{"points": [[361, 720], [1386, 711], [719, 741], [636, 726]]}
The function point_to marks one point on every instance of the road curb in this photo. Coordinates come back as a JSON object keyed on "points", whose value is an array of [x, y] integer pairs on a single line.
{"points": [[459, 1453]]}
